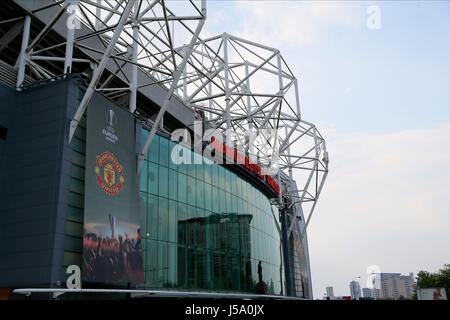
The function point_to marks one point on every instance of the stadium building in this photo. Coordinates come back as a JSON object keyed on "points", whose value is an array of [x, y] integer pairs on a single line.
{"points": [[98, 101]]}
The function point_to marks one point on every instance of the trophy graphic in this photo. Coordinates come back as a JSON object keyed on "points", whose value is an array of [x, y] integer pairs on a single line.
{"points": [[112, 223], [111, 117]]}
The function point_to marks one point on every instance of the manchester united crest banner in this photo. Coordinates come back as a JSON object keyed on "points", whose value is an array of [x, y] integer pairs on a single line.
{"points": [[112, 249]]}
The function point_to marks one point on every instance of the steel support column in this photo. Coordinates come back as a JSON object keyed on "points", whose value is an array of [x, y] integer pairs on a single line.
{"points": [[70, 36], [134, 67], [99, 70], [227, 81], [23, 53], [287, 256], [173, 86]]}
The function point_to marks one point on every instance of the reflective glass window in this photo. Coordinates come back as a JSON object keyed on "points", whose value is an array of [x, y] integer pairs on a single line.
{"points": [[182, 223], [143, 179], [182, 187], [208, 197], [163, 182], [163, 217], [153, 178], [154, 150], [191, 192], [172, 222], [200, 186], [152, 217], [161, 274], [164, 152], [173, 185]]}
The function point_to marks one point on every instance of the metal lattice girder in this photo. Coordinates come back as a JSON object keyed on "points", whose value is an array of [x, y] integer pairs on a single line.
{"points": [[149, 45], [238, 84], [134, 40], [245, 86]]}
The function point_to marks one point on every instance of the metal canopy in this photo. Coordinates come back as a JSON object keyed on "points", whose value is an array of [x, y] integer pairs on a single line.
{"points": [[244, 86], [152, 48], [122, 48]]}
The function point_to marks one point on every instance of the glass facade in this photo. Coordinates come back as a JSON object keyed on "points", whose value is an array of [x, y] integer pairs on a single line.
{"points": [[204, 227]]}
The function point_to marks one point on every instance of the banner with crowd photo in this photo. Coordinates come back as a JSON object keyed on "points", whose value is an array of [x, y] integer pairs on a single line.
{"points": [[112, 246]]}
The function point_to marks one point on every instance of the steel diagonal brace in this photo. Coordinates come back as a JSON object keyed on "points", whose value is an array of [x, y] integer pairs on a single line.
{"points": [[99, 70], [173, 86]]}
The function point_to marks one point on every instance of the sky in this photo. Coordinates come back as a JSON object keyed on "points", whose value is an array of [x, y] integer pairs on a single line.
{"points": [[381, 99]]}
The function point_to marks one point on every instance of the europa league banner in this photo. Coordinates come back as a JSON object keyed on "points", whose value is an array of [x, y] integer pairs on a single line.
{"points": [[112, 248]]}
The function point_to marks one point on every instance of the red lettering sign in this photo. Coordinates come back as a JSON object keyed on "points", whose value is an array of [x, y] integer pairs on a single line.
{"points": [[233, 154]]}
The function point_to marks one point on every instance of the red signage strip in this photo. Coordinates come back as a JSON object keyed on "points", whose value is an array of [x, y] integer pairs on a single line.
{"points": [[233, 154]]}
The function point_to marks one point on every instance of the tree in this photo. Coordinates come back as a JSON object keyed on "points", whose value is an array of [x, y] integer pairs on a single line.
{"points": [[440, 279]]}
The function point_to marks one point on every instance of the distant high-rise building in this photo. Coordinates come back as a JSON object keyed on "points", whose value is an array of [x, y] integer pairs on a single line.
{"points": [[330, 292], [394, 286], [368, 293], [355, 290]]}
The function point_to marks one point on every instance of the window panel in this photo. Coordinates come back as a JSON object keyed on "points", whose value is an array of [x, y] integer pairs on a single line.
{"points": [[221, 178], [200, 186], [173, 222], [209, 230], [144, 176], [227, 180], [191, 226], [172, 164], [215, 174], [163, 182], [154, 150], [216, 204], [200, 265], [151, 263], [173, 185], [143, 213], [172, 265], [200, 171], [153, 178], [163, 219], [182, 187], [208, 197], [191, 268], [201, 229], [191, 166], [161, 275], [191, 194], [181, 268], [209, 270], [152, 216], [219, 246], [144, 135], [222, 208], [163, 152], [208, 172], [234, 204], [233, 183], [228, 206], [217, 270], [182, 223]]}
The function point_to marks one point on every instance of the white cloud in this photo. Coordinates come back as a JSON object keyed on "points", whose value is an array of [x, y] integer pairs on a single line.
{"points": [[385, 203], [296, 23]]}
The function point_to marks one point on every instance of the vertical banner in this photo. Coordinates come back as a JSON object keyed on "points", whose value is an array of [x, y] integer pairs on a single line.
{"points": [[112, 248]]}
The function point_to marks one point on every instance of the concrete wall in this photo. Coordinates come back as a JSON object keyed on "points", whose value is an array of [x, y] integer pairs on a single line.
{"points": [[7, 101], [35, 167]]}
